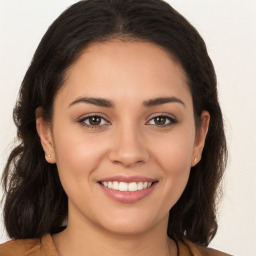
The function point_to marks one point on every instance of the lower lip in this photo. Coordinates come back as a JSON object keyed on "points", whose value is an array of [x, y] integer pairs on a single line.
{"points": [[128, 196]]}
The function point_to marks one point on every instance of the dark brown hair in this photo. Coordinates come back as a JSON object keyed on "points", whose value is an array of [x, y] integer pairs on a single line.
{"points": [[35, 202]]}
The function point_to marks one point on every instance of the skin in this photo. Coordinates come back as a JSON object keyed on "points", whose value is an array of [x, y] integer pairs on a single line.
{"points": [[127, 141]]}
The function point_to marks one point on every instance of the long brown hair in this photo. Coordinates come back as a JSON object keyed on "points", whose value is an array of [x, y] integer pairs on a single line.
{"points": [[35, 202]]}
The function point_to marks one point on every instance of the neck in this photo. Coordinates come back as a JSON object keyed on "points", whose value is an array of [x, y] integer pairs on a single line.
{"points": [[86, 238]]}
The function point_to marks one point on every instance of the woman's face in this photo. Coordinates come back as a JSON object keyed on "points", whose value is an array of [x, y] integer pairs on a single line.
{"points": [[123, 136]]}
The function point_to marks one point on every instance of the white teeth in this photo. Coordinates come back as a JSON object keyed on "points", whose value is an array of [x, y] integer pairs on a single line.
{"points": [[124, 186], [115, 185], [140, 186], [132, 186], [109, 184]]}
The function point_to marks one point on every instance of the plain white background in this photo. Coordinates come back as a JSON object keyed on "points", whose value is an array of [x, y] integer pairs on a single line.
{"points": [[228, 27]]}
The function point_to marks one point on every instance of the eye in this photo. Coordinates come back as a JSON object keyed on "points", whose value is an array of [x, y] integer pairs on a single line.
{"points": [[162, 121], [93, 121]]}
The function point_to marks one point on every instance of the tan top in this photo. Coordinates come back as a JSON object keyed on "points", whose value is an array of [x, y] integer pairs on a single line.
{"points": [[45, 247]]}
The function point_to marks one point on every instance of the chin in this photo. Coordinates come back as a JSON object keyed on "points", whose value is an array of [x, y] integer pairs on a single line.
{"points": [[132, 225], [128, 228]]}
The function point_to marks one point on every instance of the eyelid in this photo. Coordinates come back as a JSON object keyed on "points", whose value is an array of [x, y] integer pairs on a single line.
{"points": [[173, 120], [82, 119]]}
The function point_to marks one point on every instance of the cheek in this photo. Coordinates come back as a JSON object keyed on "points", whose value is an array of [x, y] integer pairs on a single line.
{"points": [[175, 152], [77, 156], [174, 158]]}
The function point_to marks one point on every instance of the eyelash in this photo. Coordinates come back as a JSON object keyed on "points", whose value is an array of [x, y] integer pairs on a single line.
{"points": [[172, 121], [82, 122]]}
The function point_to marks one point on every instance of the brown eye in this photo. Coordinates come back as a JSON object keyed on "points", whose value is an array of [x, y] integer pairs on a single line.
{"points": [[162, 121], [93, 121]]}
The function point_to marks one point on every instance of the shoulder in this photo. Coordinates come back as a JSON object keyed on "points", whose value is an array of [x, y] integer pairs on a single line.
{"points": [[198, 250], [25, 247], [19, 247]]}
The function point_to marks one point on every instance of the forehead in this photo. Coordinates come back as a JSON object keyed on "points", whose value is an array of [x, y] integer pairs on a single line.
{"points": [[125, 70]]}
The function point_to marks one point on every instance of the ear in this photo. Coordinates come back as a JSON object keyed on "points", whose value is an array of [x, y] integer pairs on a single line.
{"points": [[44, 131], [200, 137]]}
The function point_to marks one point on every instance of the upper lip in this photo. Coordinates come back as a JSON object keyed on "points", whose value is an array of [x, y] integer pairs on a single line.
{"points": [[128, 179]]}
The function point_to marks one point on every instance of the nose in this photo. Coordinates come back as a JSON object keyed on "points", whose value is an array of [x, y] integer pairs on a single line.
{"points": [[128, 148]]}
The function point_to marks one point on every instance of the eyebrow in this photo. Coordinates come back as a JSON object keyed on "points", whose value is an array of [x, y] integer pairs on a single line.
{"points": [[162, 100], [101, 102], [95, 101]]}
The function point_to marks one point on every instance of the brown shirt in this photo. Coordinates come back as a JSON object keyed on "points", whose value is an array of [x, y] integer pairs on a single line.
{"points": [[46, 247]]}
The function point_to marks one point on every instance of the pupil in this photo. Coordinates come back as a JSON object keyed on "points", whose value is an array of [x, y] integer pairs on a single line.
{"points": [[94, 120], [160, 120]]}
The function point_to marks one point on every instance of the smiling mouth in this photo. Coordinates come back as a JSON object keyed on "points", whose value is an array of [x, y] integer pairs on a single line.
{"points": [[125, 186], [126, 189]]}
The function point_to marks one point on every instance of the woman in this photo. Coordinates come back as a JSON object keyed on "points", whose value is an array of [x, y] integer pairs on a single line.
{"points": [[122, 145]]}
